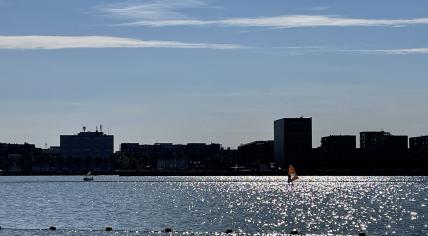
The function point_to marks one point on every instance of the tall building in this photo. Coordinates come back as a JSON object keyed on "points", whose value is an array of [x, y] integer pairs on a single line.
{"points": [[87, 144], [383, 141], [419, 144], [292, 140]]}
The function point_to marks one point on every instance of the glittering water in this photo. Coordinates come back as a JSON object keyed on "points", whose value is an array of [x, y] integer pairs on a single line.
{"points": [[210, 205]]}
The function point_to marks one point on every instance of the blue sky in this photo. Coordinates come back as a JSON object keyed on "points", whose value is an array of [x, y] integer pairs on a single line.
{"points": [[210, 71]]}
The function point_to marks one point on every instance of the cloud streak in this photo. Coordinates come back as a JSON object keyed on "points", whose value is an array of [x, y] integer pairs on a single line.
{"points": [[70, 42], [323, 50], [399, 51], [155, 10], [163, 13], [289, 21], [65, 42], [303, 50]]}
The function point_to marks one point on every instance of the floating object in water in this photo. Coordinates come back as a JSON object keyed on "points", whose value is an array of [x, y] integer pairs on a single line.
{"points": [[0, 227], [229, 231], [294, 232], [168, 230], [52, 227], [109, 228], [88, 177], [362, 234]]}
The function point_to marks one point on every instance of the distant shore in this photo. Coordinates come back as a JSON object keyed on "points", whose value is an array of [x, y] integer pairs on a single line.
{"points": [[389, 172]]}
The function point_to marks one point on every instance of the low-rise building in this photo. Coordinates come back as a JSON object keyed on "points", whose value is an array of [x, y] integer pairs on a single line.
{"points": [[339, 143], [383, 141], [256, 155], [419, 144]]}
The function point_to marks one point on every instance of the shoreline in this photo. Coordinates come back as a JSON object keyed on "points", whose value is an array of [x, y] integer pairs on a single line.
{"points": [[419, 172]]}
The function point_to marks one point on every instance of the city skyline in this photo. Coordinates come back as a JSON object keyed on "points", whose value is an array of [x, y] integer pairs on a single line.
{"points": [[116, 145], [210, 71], [292, 145]]}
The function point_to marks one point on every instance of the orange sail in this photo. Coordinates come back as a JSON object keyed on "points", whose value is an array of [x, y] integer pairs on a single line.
{"points": [[292, 175]]}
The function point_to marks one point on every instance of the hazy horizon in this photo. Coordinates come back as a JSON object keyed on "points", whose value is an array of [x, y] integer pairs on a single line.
{"points": [[210, 71]]}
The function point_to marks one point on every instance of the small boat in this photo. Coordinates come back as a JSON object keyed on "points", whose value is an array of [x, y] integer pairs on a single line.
{"points": [[292, 175], [88, 177]]}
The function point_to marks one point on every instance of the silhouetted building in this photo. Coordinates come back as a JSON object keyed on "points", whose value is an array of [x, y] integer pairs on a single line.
{"points": [[168, 156], [337, 152], [203, 156], [130, 149], [383, 141], [339, 143], [383, 152], [87, 144], [17, 157], [373, 140], [293, 140], [398, 143], [53, 151], [257, 155], [87, 151], [172, 163], [419, 144]]}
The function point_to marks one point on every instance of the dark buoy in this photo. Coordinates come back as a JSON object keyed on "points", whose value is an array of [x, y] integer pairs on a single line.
{"points": [[168, 230], [362, 234], [229, 231], [109, 228], [52, 227], [294, 232]]}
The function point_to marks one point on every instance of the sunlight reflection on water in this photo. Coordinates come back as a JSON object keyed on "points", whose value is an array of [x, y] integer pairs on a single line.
{"points": [[251, 205]]}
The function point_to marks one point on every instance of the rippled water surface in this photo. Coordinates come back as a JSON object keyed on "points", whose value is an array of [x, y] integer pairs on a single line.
{"points": [[210, 205]]}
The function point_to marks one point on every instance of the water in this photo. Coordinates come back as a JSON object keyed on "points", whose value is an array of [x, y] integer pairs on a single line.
{"points": [[210, 205]]}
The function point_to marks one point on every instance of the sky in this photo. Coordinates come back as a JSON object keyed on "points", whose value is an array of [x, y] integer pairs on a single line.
{"points": [[210, 71]]}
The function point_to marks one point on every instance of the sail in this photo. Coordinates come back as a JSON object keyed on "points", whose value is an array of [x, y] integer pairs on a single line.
{"points": [[292, 173]]}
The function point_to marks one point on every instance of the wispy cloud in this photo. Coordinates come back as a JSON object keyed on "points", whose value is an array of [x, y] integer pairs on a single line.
{"points": [[321, 50], [68, 42], [319, 8], [398, 51], [154, 10], [289, 21], [64, 42], [163, 13]]}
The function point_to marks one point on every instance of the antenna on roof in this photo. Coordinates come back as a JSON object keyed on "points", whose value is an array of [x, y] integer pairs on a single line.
{"points": [[96, 128], [84, 128], [101, 128]]}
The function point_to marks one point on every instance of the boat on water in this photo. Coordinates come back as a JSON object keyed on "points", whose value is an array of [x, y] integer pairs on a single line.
{"points": [[292, 175], [88, 177]]}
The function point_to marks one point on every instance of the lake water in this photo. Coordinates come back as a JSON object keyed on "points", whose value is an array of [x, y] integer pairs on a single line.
{"points": [[210, 205]]}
